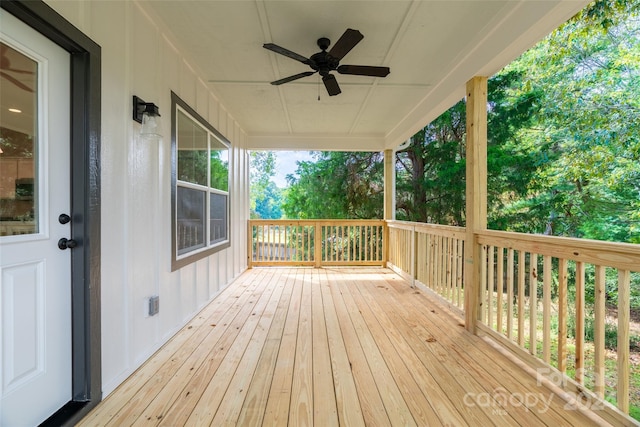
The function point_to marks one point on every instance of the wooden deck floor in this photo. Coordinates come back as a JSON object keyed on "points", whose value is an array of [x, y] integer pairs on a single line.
{"points": [[328, 347]]}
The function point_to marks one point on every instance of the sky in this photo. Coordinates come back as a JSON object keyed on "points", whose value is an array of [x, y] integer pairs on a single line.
{"points": [[286, 164]]}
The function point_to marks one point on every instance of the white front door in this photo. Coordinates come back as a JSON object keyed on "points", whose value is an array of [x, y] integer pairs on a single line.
{"points": [[35, 274]]}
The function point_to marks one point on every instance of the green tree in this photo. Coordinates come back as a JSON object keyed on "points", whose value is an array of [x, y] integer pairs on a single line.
{"points": [[337, 185], [587, 127], [431, 171], [269, 203], [265, 197]]}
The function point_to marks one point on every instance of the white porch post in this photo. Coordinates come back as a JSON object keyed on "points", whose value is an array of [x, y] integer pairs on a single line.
{"points": [[389, 198], [389, 185], [476, 196]]}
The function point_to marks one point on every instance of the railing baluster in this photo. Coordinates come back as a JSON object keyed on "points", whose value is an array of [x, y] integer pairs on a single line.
{"points": [[622, 394], [579, 322], [451, 279], [445, 267], [546, 309], [598, 332], [510, 293], [349, 254], [460, 270], [521, 285], [533, 303], [500, 289], [453, 256], [376, 246], [366, 243], [259, 243], [438, 265], [483, 283], [433, 262], [299, 243], [562, 315], [490, 284]]}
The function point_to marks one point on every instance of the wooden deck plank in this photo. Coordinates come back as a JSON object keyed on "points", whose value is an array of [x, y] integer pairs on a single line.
{"points": [[301, 406], [325, 412], [401, 367], [394, 402], [438, 352], [324, 347], [230, 407], [371, 403], [255, 401], [171, 356], [430, 373], [207, 359], [277, 408], [210, 399], [348, 405], [500, 372]]}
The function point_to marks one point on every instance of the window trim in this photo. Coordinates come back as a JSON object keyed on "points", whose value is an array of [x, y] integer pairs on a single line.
{"points": [[179, 261]]}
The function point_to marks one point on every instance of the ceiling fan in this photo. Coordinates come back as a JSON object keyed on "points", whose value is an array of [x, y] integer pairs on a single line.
{"points": [[323, 62]]}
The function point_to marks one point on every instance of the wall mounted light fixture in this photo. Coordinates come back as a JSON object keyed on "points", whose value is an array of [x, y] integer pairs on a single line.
{"points": [[147, 114]]}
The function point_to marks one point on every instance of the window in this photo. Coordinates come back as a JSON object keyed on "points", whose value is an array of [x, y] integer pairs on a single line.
{"points": [[200, 183]]}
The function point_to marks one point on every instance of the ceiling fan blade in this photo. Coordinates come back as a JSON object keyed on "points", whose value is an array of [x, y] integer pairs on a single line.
{"points": [[292, 78], [16, 82], [331, 84], [5, 64], [364, 70], [286, 52], [345, 43]]}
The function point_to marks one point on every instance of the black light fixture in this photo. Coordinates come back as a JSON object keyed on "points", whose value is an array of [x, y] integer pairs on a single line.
{"points": [[146, 113]]}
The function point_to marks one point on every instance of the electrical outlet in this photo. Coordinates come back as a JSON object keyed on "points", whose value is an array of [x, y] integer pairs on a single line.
{"points": [[154, 305]]}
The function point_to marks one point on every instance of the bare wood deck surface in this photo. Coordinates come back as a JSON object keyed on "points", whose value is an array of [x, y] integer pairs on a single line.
{"points": [[329, 347]]}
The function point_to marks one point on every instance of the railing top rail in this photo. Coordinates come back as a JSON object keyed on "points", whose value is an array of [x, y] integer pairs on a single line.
{"points": [[316, 221], [624, 256], [425, 226]]}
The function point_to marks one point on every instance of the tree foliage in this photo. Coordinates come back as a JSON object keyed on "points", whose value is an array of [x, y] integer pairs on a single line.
{"points": [[563, 144], [587, 128], [337, 185], [265, 197]]}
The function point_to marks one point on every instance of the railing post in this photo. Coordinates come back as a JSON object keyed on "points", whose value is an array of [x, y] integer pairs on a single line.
{"points": [[476, 195], [250, 244]]}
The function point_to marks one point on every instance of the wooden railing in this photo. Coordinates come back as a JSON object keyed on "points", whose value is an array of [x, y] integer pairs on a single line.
{"points": [[538, 293], [316, 243], [525, 295], [430, 254]]}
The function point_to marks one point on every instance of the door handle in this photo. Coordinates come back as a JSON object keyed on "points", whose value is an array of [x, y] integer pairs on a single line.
{"points": [[64, 219], [65, 243]]}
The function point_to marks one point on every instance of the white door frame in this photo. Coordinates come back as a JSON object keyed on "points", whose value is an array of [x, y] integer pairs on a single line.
{"points": [[85, 205]]}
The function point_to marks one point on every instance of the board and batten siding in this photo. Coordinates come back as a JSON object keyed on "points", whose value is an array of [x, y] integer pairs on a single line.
{"points": [[141, 57]]}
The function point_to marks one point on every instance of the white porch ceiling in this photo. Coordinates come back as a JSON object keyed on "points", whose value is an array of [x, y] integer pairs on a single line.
{"points": [[432, 47]]}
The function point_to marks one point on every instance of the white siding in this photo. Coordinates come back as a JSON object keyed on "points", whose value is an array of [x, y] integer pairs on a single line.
{"points": [[140, 58]]}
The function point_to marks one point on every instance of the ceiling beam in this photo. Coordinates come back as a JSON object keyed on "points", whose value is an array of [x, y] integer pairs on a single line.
{"points": [[316, 143]]}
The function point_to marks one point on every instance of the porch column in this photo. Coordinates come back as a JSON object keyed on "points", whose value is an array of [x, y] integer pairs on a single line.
{"points": [[389, 198], [476, 196], [389, 186]]}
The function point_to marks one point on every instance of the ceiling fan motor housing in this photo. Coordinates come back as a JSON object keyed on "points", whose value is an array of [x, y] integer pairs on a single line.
{"points": [[323, 62]]}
